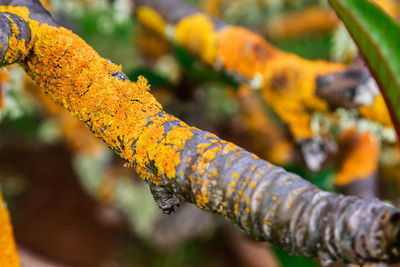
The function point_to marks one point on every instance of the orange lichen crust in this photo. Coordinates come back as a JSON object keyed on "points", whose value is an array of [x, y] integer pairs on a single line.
{"points": [[282, 76], [3, 80], [377, 112], [299, 23], [196, 32], [116, 110], [288, 81], [21, 46], [22, 12], [361, 158], [8, 249]]}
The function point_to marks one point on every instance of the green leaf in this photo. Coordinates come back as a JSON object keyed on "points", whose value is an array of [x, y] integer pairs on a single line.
{"points": [[378, 37]]}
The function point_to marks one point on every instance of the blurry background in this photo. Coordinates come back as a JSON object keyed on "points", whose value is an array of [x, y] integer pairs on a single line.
{"points": [[73, 203]]}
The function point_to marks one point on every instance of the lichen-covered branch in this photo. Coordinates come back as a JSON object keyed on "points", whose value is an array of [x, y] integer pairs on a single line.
{"points": [[280, 77], [246, 56], [267, 202]]}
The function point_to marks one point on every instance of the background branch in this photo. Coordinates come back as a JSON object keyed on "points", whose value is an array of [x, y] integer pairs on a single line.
{"points": [[304, 86]]}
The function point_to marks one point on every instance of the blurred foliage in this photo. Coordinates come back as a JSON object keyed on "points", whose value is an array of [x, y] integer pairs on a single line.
{"points": [[373, 31], [314, 47], [290, 260]]}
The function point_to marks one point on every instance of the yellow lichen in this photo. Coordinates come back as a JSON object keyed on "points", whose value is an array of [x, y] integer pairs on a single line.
{"points": [[151, 36], [289, 88], [151, 19], [287, 81], [361, 160], [22, 12], [75, 76], [243, 52], [236, 208], [196, 33], [20, 48], [205, 158], [8, 250], [377, 112], [202, 199], [288, 84]]}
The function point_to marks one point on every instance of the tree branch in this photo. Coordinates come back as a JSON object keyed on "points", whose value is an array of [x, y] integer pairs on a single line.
{"points": [[264, 200], [304, 86]]}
